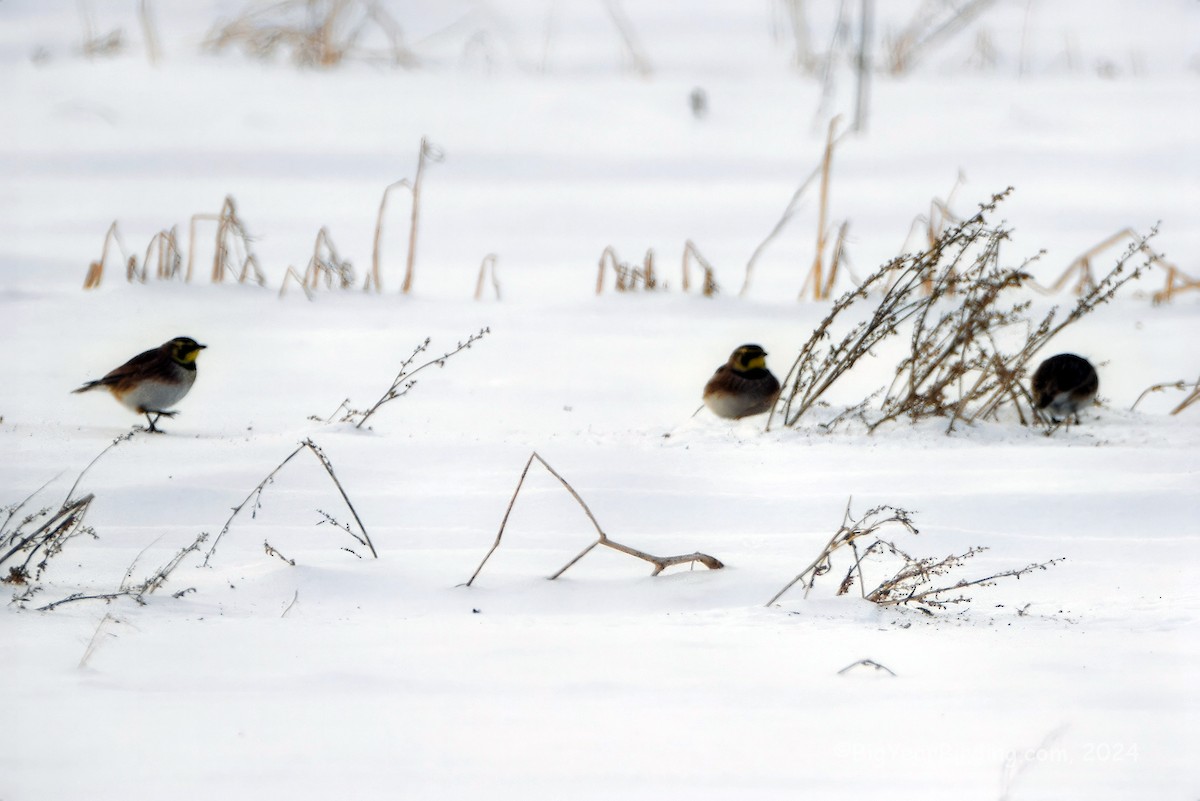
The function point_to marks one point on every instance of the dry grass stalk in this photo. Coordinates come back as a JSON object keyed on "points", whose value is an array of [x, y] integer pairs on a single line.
{"points": [[293, 276], [1081, 268], [232, 253], [97, 45], [816, 273], [660, 563], [627, 277], [1191, 398], [486, 267], [625, 29], [429, 154], [939, 220], [149, 32], [326, 266], [862, 65], [1080, 278], [375, 277], [793, 206], [908, 581], [163, 251], [254, 501], [692, 253], [318, 33], [803, 59], [1177, 282], [95, 273], [933, 24]]}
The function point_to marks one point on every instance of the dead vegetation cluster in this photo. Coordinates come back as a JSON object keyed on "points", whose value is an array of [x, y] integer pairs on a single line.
{"points": [[234, 259], [971, 338], [634, 277], [887, 575], [315, 33]]}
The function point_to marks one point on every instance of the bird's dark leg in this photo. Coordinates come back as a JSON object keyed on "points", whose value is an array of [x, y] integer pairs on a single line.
{"points": [[157, 414]]}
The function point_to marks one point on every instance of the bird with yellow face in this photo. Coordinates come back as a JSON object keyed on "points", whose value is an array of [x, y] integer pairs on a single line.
{"points": [[743, 386], [153, 381]]}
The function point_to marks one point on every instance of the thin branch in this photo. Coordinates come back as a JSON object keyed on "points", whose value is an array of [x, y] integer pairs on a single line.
{"points": [[660, 563]]}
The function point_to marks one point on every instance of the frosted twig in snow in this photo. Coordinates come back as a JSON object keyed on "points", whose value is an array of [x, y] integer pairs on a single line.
{"points": [[404, 381], [660, 563], [254, 500], [913, 582], [43, 534], [94, 643], [871, 663], [272, 552]]}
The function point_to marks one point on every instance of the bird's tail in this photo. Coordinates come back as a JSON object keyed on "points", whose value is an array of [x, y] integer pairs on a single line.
{"points": [[86, 387]]}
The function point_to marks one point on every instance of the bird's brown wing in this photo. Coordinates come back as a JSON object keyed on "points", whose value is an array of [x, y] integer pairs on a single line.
{"points": [[131, 368]]}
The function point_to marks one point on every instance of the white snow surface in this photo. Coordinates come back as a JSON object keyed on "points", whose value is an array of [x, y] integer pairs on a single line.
{"points": [[350, 677]]}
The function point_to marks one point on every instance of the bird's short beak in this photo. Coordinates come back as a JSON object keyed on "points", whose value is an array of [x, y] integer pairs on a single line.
{"points": [[200, 347]]}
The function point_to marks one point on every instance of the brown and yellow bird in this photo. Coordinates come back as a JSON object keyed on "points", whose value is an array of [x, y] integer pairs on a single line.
{"points": [[151, 382], [742, 386]]}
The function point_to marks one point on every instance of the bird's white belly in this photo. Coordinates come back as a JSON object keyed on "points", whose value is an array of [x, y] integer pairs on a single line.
{"points": [[727, 405], [157, 396], [1064, 404]]}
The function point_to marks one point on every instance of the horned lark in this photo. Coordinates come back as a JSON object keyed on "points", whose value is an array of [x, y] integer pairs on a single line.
{"points": [[1064, 384], [742, 386], [151, 382]]}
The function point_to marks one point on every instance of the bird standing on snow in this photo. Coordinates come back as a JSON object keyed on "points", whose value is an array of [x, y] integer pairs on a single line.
{"points": [[1064, 384], [742, 386], [151, 382]]}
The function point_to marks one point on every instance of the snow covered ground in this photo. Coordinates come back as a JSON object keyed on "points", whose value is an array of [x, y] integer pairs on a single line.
{"points": [[385, 678]]}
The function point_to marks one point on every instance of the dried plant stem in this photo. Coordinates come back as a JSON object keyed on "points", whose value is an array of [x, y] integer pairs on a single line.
{"points": [[94, 642], [254, 499], [488, 265], [95, 273], [149, 32], [792, 207], [915, 580], [404, 380], [1190, 399], [815, 273], [871, 663], [660, 563], [628, 277], [690, 253], [230, 236], [375, 278], [428, 153], [641, 63], [925, 32], [1177, 282]]}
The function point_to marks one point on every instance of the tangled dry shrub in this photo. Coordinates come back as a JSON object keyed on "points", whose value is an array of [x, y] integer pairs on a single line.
{"points": [[922, 583], [971, 337]]}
